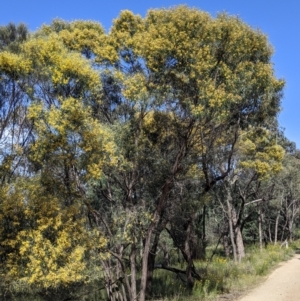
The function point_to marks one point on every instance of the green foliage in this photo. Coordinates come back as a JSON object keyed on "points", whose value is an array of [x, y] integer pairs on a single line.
{"points": [[11, 36]]}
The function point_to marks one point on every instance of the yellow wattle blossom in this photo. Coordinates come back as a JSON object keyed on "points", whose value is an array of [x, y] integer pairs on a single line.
{"points": [[55, 250], [14, 64], [260, 152]]}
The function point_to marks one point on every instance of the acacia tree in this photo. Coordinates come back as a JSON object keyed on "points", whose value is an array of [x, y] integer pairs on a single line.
{"points": [[129, 122], [46, 241], [207, 79]]}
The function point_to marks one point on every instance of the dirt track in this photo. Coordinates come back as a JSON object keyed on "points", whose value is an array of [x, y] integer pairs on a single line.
{"points": [[283, 284]]}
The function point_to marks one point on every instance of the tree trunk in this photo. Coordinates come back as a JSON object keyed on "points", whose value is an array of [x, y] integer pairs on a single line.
{"points": [[203, 240], [260, 227], [155, 219], [224, 229], [226, 245], [145, 260], [151, 228], [189, 257], [270, 233], [276, 227], [133, 271], [239, 243], [290, 225], [114, 291], [230, 222], [151, 263]]}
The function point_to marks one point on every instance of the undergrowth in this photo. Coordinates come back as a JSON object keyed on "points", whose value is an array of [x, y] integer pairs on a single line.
{"points": [[219, 276], [222, 275]]}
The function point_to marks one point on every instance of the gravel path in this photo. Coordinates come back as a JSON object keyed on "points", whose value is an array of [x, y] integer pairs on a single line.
{"points": [[282, 285]]}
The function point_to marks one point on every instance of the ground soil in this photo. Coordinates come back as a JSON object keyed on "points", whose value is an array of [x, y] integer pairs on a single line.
{"points": [[283, 284]]}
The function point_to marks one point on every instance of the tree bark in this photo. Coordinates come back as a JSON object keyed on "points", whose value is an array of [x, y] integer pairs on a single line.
{"points": [[189, 257], [260, 234], [155, 219], [148, 240], [152, 256], [276, 227], [239, 243], [231, 222], [133, 271]]}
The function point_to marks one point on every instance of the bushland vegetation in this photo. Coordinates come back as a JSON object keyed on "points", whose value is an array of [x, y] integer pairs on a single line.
{"points": [[126, 157]]}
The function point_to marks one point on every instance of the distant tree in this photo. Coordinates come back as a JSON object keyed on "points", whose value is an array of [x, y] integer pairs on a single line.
{"points": [[12, 35]]}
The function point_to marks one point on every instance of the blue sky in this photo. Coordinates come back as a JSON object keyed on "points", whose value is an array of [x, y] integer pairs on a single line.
{"points": [[278, 19]]}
